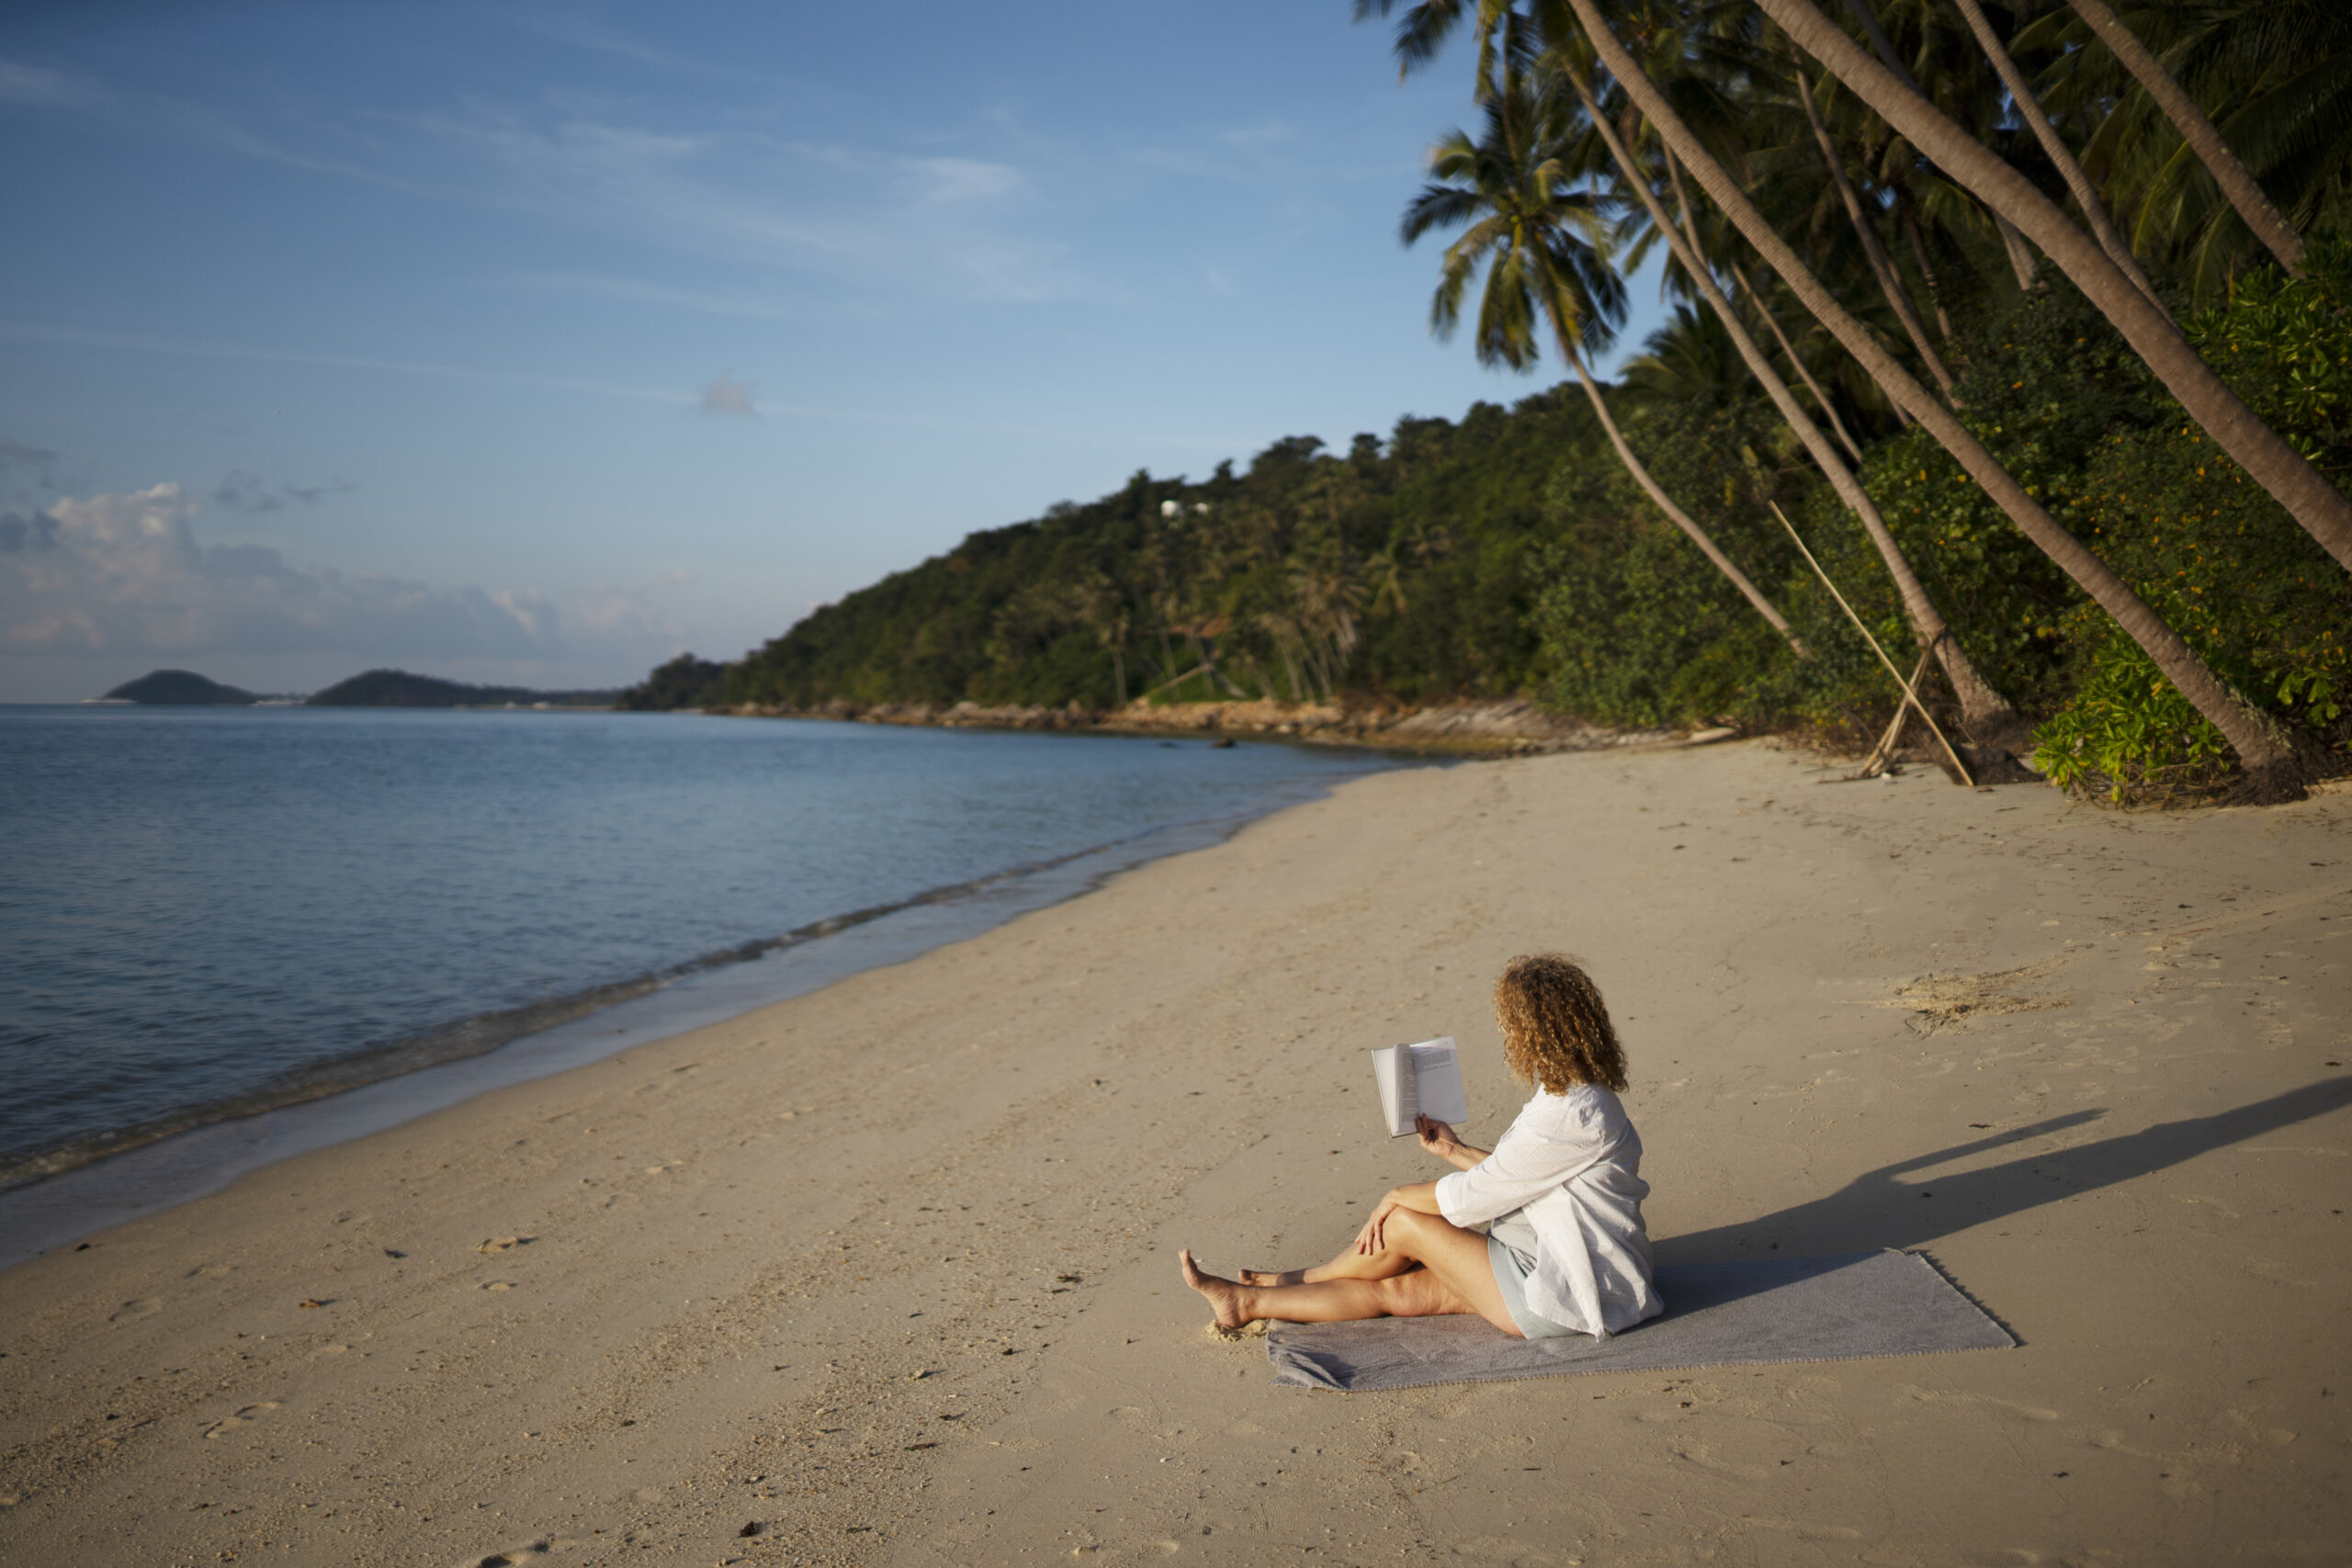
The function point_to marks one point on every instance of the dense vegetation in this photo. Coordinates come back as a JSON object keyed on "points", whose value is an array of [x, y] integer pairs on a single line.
{"points": [[180, 688], [399, 689], [2102, 483]]}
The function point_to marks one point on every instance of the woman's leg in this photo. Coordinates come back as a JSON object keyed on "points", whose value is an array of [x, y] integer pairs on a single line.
{"points": [[1348, 1264], [1453, 1275]]}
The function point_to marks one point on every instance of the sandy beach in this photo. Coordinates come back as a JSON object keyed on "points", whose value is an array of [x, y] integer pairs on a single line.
{"points": [[887, 1273]]}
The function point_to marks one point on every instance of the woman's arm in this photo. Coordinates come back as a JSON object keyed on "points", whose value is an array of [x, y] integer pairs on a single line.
{"points": [[1439, 1139], [1421, 1196]]}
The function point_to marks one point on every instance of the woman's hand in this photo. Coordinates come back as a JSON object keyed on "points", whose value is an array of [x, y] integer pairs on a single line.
{"points": [[1372, 1239], [1436, 1137], [1439, 1139]]}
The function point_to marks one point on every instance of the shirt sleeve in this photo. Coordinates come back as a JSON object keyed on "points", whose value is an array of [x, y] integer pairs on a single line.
{"points": [[1529, 1161]]}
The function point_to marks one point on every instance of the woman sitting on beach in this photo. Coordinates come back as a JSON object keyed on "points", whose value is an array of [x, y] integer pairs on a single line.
{"points": [[1558, 1200]]}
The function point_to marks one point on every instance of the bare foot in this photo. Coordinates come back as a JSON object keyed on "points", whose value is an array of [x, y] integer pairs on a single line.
{"points": [[1223, 1295], [1268, 1279]]}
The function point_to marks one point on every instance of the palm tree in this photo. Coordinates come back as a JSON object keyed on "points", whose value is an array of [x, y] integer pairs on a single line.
{"points": [[1881, 265], [2277, 77], [1992, 722], [2029, 108], [2237, 181], [2318, 506], [1540, 244], [2262, 748], [2020, 256]]}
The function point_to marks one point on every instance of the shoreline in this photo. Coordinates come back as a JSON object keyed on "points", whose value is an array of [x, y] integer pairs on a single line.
{"points": [[885, 1272], [1507, 727], [54, 1196]]}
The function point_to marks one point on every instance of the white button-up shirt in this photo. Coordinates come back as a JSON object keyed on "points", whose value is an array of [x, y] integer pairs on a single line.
{"points": [[1572, 1161]]}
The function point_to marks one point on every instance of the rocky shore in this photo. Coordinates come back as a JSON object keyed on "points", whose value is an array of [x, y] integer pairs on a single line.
{"points": [[1515, 727]]}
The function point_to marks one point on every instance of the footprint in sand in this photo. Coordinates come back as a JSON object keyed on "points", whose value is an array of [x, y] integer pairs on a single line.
{"points": [[245, 1416], [132, 1310]]}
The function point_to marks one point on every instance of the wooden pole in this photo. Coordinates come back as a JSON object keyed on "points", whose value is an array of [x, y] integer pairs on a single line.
{"points": [[1909, 696], [1882, 756]]}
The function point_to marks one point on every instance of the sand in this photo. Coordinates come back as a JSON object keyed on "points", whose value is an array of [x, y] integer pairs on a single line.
{"points": [[887, 1273]]}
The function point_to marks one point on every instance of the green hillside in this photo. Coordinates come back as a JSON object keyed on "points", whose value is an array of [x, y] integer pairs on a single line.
{"points": [[399, 689], [179, 688]]}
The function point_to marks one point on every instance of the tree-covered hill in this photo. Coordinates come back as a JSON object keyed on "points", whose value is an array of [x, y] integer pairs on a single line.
{"points": [[1404, 568], [179, 688], [2089, 477], [399, 689]]}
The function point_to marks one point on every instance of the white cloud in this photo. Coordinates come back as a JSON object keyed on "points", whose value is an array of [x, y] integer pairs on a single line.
{"points": [[22, 83], [124, 575], [939, 225], [727, 396], [964, 179]]}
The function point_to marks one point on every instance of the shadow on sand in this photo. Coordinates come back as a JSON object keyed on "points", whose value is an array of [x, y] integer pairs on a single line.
{"points": [[1877, 1210]]}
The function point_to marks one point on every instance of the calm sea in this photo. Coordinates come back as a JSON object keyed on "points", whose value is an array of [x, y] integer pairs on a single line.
{"points": [[207, 912]]}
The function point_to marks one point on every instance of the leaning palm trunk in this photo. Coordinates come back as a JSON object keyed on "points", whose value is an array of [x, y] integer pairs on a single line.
{"points": [[2052, 144], [1755, 300], [2237, 181], [2260, 748], [1890, 283], [1788, 351], [1658, 497], [2317, 505], [2020, 256], [1992, 722]]}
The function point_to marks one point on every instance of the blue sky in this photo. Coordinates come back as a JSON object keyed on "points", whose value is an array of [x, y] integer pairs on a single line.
{"points": [[534, 342]]}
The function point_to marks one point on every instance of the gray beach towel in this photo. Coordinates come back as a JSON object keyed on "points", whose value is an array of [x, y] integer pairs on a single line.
{"points": [[1779, 1309]]}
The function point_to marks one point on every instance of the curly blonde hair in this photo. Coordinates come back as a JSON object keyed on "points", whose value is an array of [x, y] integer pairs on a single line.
{"points": [[1556, 1027]]}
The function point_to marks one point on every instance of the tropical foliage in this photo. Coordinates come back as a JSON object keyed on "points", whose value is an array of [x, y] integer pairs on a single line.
{"points": [[2038, 331]]}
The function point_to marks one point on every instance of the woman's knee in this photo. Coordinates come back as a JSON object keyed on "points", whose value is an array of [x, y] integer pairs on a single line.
{"points": [[1410, 1231]]}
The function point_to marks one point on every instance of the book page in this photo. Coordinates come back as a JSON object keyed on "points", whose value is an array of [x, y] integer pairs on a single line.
{"points": [[1437, 1082], [1415, 1080], [1399, 1087]]}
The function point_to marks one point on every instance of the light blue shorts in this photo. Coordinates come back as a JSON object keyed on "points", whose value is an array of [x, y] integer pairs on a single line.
{"points": [[1510, 1252]]}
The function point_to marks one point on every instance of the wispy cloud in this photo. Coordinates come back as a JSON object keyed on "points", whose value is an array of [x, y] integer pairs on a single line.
{"points": [[945, 226], [125, 574], [138, 343], [637, 291], [21, 455], [583, 33], [40, 85], [860, 217], [240, 490], [726, 395]]}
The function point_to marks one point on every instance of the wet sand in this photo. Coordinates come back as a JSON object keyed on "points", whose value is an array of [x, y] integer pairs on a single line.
{"points": [[887, 1273]]}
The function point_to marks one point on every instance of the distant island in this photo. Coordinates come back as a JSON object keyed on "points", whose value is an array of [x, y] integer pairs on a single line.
{"points": [[399, 689], [375, 689], [179, 688]]}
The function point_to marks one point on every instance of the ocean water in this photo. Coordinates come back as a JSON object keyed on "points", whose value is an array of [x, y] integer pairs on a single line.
{"points": [[209, 912]]}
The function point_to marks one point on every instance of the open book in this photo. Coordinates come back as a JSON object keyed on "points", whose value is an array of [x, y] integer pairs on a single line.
{"points": [[1419, 1080]]}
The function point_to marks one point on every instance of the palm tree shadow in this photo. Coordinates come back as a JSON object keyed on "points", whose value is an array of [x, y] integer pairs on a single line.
{"points": [[1876, 1210]]}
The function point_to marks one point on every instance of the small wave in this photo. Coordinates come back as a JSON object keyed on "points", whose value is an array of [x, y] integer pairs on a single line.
{"points": [[484, 1032]]}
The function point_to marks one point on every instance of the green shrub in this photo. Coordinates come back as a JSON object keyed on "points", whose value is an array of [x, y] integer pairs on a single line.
{"points": [[2129, 734]]}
